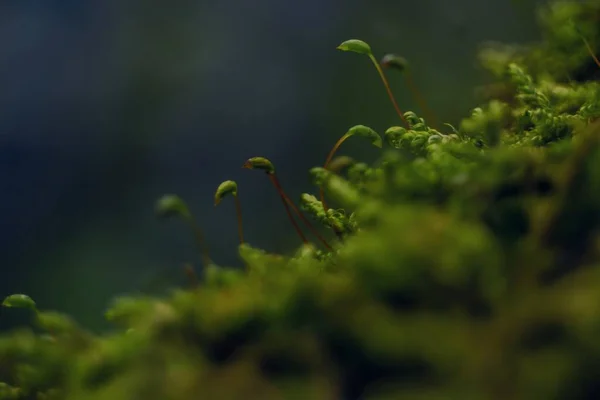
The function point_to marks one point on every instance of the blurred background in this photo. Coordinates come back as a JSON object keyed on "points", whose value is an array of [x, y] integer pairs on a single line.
{"points": [[105, 105]]}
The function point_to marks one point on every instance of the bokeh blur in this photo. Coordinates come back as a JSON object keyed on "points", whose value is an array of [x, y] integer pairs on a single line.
{"points": [[105, 105]]}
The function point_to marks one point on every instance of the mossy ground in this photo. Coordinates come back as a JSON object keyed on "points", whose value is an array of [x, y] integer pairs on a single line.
{"points": [[466, 265]]}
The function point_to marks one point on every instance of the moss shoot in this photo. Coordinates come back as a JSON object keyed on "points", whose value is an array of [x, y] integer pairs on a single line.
{"points": [[463, 264]]}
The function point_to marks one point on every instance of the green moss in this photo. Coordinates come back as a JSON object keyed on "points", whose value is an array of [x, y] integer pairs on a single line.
{"points": [[465, 265]]}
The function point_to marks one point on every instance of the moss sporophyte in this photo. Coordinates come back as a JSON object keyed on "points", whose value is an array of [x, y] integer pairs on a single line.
{"points": [[230, 187], [358, 130], [469, 266], [360, 47], [266, 165], [399, 63], [173, 206]]}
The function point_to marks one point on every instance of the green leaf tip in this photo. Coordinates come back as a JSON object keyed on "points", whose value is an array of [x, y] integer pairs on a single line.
{"points": [[19, 301], [366, 132], [260, 163], [319, 174], [393, 135], [171, 205], [308, 198], [394, 61], [224, 189], [307, 250], [340, 162], [395, 130], [356, 46], [56, 322], [315, 171], [454, 130]]}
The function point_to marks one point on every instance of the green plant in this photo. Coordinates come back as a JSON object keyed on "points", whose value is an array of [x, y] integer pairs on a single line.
{"points": [[360, 47], [470, 269], [172, 205], [19, 301], [357, 130], [401, 64], [230, 187], [266, 165], [339, 163]]}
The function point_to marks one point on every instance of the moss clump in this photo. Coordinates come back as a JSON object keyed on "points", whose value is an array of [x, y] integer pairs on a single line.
{"points": [[466, 266]]}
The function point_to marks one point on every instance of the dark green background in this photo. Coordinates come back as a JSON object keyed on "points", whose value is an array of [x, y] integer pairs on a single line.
{"points": [[105, 105]]}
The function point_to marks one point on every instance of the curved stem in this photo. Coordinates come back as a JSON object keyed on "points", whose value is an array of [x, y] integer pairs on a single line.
{"points": [[201, 242], [591, 51], [188, 269], [298, 212], [329, 158], [275, 182], [238, 209], [420, 99], [389, 91], [307, 223]]}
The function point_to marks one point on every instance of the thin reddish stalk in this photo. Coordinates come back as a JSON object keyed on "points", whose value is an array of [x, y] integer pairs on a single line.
{"points": [[329, 158], [307, 223], [191, 275], [275, 182], [420, 99], [238, 208], [389, 90], [201, 243]]}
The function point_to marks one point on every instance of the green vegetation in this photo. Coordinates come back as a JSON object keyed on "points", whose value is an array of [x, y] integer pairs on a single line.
{"points": [[399, 63], [463, 265], [230, 187]]}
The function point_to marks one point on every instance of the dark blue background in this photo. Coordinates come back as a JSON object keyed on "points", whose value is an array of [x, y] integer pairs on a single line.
{"points": [[106, 105]]}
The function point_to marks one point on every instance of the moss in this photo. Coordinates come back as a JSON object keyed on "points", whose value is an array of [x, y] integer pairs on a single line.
{"points": [[465, 264]]}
